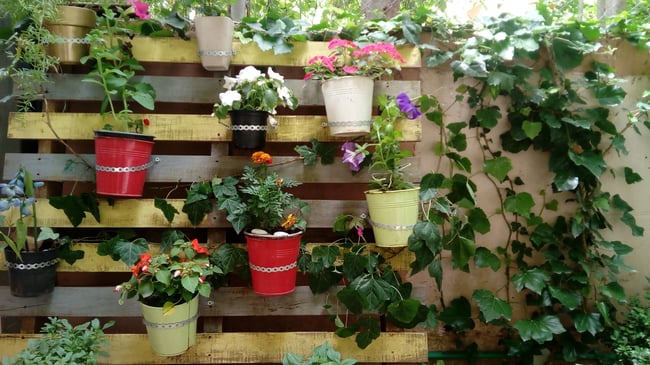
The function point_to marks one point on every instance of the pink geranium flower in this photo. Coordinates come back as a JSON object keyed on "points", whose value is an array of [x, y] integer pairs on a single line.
{"points": [[141, 9]]}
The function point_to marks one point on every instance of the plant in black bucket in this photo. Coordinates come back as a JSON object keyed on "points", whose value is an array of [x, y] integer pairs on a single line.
{"points": [[251, 99], [122, 157], [31, 252]]}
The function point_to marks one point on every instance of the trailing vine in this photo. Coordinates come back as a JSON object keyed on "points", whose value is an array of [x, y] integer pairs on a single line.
{"points": [[532, 88]]}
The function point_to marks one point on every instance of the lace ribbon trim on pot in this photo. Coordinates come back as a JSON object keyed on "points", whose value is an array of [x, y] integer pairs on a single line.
{"points": [[172, 325], [128, 168], [275, 268], [36, 266], [347, 123], [69, 40], [253, 128], [390, 226], [220, 53]]}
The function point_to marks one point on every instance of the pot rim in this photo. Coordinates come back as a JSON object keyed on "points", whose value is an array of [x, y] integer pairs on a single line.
{"points": [[272, 237]]}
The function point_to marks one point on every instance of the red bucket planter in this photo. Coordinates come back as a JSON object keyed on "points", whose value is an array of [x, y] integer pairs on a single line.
{"points": [[273, 262], [121, 162]]}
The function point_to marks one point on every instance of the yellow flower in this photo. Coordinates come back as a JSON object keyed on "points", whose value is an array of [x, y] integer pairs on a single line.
{"points": [[290, 221]]}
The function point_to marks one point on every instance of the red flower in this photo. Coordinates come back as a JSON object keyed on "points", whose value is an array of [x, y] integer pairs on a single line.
{"points": [[141, 265], [198, 248], [146, 122]]}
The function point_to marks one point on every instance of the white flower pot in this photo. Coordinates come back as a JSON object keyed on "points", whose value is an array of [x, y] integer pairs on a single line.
{"points": [[348, 104], [214, 37]]}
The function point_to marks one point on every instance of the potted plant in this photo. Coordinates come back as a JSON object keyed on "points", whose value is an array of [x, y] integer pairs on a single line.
{"points": [[323, 354], [272, 220], [69, 28], [122, 156], [249, 99], [214, 33], [62, 343], [347, 75], [31, 252], [167, 285], [393, 202]]}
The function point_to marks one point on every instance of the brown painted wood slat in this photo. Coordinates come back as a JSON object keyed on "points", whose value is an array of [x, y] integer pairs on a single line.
{"points": [[252, 348]]}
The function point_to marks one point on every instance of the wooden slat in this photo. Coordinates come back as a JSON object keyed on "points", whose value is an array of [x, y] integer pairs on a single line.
{"points": [[399, 259], [203, 90], [188, 169], [181, 127], [141, 213], [255, 347], [175, 50], [101, 301]]}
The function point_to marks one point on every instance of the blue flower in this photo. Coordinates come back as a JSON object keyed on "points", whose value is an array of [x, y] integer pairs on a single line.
{"points": [[4, 205], [406, 106]]}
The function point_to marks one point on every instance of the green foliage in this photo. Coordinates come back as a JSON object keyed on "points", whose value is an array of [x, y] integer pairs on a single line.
{"points": [[75, 207], [123, 246], [631, 338], [323, 354], [62, 343]]}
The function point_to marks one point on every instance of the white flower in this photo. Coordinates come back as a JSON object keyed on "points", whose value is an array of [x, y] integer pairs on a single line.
{"points": [[249, 73], [229, 83], [285, 94], [274, 75], [272, 122], [229, 97]]}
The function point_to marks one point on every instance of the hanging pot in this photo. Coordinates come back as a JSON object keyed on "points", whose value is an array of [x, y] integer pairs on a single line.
{"points": [[273, 262], [348, 104], [69, 30], [171, 333], [34, 275], [392, 215], [121, 162], [248, 128], [214, 38]]}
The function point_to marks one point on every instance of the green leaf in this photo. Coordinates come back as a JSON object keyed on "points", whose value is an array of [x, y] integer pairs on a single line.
{"points": [[520, 203], [458, 314], [479, 220], [569, 298], [615, 291], [490, 306], [631, 177], [533, 279], [129, 251], [609, 95], [461, 250], [566, 54], [498, 167], [589, 322], [485, 258], [540, 329], [591, 160], [532, 129], [168, 210], [488, 117]]}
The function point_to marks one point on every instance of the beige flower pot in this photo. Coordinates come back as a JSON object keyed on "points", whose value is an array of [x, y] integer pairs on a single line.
{"points": [[214, 37]]}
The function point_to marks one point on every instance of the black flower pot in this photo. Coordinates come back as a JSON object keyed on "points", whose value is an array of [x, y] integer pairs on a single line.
{"points": [[248, 128], [34, 275]]}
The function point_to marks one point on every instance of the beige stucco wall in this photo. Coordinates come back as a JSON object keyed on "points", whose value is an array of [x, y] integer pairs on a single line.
{"points": [[532, 167]]}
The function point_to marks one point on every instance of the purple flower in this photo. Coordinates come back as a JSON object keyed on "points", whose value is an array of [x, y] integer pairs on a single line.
{"points": [[351, 156], [406, 106]]}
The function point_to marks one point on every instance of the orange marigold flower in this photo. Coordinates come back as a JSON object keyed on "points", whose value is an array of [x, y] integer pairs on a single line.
{"points": [[198, 248], [290, 221], [262, 157], [278, 182]]}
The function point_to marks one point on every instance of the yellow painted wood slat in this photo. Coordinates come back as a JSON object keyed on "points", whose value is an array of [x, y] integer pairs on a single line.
{"points": [[181, 127], [141, 213], [175, 50], [251, 348], [399, 258]]}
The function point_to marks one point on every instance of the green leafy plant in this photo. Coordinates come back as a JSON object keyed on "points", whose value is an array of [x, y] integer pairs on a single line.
{"points": [[18, 208], [174, 275], [113, 68], [631, 337], [323, 354], [373, 289], [271, 32], [256, 201], [62, 343]]}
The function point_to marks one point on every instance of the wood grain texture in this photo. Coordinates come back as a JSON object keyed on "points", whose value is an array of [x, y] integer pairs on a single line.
{"points": [[181, 127], [251, 348]]}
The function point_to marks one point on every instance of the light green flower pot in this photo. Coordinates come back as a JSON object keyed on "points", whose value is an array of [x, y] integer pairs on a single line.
{"points": [[393, 215], [171, 333]]}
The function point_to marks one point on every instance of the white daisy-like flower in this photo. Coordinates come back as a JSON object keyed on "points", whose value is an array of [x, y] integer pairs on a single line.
{"points": [[272, 122], [274, 75], [229, 97], [249, 73], [229, 83], [285, 94]]}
